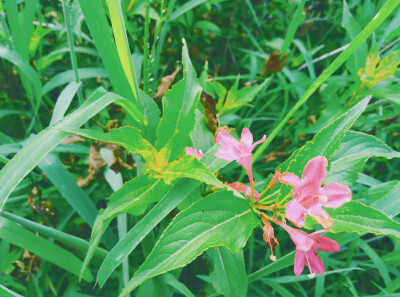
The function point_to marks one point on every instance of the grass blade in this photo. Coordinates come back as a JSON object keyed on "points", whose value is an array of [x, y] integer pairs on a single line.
{"points": [[63, 101], [64, 238], [294, 24], [21, 237], [45, 141], [382, 14], [117, 21]]}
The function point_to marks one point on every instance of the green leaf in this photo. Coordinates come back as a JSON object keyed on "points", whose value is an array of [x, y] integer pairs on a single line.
{"points": [[220, 219], [229, 277], [294, 24], [354, 151], [25, 239], [179, 105], [186, 166], [121, 40], [389, 203], [97, 21], [185, 8], [357, 60], [236, 99], [127, 137], [324, 143], [64, 100], [152, 113], [15, 58], [134, 198], [171, 280], [64, 238], [356, 217], [171, 199], [28, 157], [69, 75]]}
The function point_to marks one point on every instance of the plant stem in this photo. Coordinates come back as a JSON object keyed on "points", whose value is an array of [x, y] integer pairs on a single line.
{"points": [[71, 47]]}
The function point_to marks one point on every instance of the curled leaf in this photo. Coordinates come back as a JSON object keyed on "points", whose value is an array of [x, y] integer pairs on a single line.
{"points": [[165, 83]]}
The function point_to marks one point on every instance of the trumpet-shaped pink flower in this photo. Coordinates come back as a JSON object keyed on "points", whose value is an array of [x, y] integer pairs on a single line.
{"points": [[244, 189], [306, 249], [309, 196], [192, 151], [239, 151]]}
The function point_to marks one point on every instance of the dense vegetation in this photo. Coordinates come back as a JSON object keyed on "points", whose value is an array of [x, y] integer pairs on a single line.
{"points": [[99, 101]]}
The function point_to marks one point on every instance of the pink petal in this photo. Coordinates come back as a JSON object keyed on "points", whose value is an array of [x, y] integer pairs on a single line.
{"points": [[295, 213], [226, 155], [228, 142], [245, 161], [288, 178], [191, 151], [314, 174], [299, 262], [314, 262], [258, 142], [246, 137], [322, 217], [326, 244], [337, 195], [300, 238], [237, 186]]}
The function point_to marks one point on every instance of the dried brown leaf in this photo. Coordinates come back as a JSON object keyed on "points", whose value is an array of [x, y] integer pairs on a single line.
{"points": [[210, 111], [164, 85], [273, 64]]}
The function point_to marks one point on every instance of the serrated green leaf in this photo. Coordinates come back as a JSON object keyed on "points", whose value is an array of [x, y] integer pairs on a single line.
{"points": [[133, 198], [356, 217], [188, 167], [324, 143], [353, 152], [179, 105], [229, 276], [127, 137], [171, 199], [220, 219]]}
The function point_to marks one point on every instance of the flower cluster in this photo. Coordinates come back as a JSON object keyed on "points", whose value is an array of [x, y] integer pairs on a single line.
{"points": [[309, 195]]}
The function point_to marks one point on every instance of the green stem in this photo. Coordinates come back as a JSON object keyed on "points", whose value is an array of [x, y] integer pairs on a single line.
{"points": [[382, 14], [71, 47], [146, 45]]}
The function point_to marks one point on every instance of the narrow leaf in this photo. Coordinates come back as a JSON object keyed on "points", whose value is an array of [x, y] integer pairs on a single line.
{"points": [[46, 140], [229, 276]]}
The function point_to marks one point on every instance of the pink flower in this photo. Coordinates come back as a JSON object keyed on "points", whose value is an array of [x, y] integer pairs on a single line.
{"points": [[239, 151], [306, 249], [192, 151], [237, 186], [309, 197]]}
